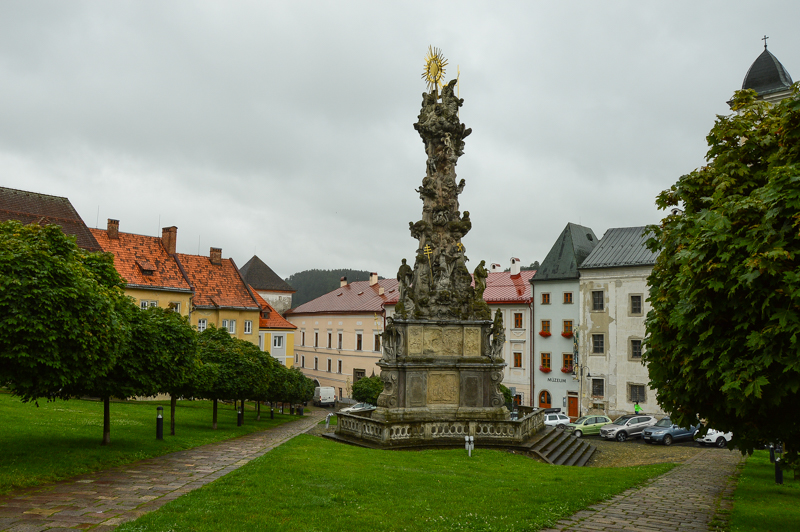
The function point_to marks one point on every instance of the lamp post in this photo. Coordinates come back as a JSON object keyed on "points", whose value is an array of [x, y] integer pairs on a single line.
{"points": [[160, 423]]}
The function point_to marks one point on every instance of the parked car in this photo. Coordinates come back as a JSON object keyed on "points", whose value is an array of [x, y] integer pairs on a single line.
{"points": [[666, 432], [715, 437], [324, 396], [558, 421], [587, 425], [358, 407], [627, 426]]}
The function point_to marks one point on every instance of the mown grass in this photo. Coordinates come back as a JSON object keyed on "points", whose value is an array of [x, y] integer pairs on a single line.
{"points": [[311, 484], [61, 439], [761, 505]]}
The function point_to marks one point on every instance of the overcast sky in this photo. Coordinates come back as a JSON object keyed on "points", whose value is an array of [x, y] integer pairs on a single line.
{"points": [[285, 129]]}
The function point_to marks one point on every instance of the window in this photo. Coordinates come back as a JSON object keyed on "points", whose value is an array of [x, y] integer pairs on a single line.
{"points": [[377, 342], [303, 362], [598, 300], [636, 349], [302, 338], [636, 393], [518, 320], [230, 324], [567, 326], [174, 306], [339, 370], [546, 326], [546, 360], [261, 341], [544, 399], [330, 364], [339, 341], [316, 339], [598, 344], [545, 299], [147, 304], [359, 374], [340, 393], [636, 305], [248, 327], [567, 298], [330, 339], [201, 325], [277, 341], [316, 363], [517, 359], [296, 358], [567, 359], [598, 387], [359, 341]]}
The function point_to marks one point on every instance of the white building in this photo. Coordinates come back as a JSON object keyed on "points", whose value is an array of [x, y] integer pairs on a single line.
{"points": [[556, 312], [613, 305]]}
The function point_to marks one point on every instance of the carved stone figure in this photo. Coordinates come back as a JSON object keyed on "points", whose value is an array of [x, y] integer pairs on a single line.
{"points": [[498, 336], [392, 342]]}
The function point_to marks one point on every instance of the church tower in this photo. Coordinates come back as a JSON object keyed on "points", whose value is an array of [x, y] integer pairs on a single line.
{"points": [[768, 77]]}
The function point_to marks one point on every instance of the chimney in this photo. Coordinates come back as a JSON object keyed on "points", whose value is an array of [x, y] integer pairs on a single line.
{"points": [[113, 229], [380, 290], [373, 278], [514, 266], [169, 238], [342, 282], [216, 256], [494, 268]]}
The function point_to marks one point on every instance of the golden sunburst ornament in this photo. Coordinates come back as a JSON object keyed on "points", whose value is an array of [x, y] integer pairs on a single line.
{"points": [[434, 68]]}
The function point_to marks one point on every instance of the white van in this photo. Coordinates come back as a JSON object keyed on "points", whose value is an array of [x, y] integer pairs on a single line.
{"points": [[324, 396]]}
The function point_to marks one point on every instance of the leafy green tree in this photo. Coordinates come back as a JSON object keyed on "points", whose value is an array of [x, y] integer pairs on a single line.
{"points": [[367, 389], [723, 336], [62, 323]]}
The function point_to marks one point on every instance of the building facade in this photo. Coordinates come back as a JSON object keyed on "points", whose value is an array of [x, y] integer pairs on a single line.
{"points": [[268, 284], [338, 334], [613, 305], [275, 333], [556, 309]]}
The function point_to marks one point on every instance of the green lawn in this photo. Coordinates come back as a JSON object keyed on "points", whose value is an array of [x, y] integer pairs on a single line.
{"points": [[312, 484], [61, 439], [760, 504]]}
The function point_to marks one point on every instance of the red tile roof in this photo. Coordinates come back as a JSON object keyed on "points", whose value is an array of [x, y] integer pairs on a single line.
{"points": [[216, 285], [275, 320], [136, 254], [32, 207], [504, 288], [357, 297]]}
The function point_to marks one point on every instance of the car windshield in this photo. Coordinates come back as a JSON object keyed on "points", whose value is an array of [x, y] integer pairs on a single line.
{"points": [[664, 423], [581, 420], [621, 421]]}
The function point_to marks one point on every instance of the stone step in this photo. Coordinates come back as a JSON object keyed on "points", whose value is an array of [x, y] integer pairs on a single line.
{"points": [[560, 448]]}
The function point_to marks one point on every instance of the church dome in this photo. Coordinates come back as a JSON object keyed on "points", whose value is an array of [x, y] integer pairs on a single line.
{"points": [[767, 75]]}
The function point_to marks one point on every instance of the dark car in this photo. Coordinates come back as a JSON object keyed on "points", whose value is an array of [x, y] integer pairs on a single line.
{"points": [[666, 432]]}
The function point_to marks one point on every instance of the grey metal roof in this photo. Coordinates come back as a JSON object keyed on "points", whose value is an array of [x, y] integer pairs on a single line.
{"points": [[621, 246], [261, 277], [767, 75], [572, 246]]}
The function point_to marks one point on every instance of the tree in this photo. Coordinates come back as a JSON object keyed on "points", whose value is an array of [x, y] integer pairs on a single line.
{"points": [[62, 323], [367, 389], [723, 336]]}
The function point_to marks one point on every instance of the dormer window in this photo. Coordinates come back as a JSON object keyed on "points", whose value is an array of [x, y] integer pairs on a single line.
{"points": [[146, 267]]}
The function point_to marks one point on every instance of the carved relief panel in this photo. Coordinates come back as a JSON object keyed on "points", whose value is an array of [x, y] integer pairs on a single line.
{"points": [[414, 340], [432, 341], [416, 389], [442, 388], [452, 341], [472, 341]]}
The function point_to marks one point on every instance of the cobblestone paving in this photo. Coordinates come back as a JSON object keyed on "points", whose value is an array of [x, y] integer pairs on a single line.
{"points": [[103, 500], [692, 497]]}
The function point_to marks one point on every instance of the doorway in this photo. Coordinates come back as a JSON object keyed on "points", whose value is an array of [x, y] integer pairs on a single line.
{"points": [[572, 406], [544, 399]]}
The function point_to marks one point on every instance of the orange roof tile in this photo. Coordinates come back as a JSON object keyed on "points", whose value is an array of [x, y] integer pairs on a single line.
{"points": [[502, 287], [275, 320], [353, 298], [216, 285], [135, 255]]}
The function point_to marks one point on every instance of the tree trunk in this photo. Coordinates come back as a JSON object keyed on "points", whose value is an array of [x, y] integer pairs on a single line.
{"points": [[214, 422], [172, 402], [258, 410], [106, 421]]}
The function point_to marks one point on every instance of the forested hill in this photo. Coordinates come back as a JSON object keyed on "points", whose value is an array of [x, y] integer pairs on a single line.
{"points": [[310, 284]]}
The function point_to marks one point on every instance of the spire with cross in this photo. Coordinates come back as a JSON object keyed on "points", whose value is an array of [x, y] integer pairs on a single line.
{"points": [[765, 41]]}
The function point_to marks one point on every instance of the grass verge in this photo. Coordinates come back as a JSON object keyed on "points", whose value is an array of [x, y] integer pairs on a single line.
{"points": [[61, 439], [761, 505], [311, 484]]}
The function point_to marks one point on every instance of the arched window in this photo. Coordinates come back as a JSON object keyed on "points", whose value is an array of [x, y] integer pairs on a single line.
{"points": [[544, 399]]}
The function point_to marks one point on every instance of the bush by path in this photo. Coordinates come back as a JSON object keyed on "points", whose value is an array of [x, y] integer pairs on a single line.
{"points": [[61, 439]]}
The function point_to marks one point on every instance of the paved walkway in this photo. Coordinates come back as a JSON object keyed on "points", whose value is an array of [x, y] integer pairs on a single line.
{"points": [[688, 498], [103, 500]]}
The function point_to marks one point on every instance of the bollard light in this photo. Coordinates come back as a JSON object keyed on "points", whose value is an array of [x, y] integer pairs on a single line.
{"points": [[778, 470], [239, 417], [271, 413], [160, 423], [469, 444]]}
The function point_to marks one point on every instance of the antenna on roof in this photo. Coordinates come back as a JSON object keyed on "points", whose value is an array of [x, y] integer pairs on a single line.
{"points": [[159, 224], [198, 244], [97, 221]]}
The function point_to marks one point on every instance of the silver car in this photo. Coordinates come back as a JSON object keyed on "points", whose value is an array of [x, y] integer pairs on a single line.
{"points": [[558, 421], [628, 426]]}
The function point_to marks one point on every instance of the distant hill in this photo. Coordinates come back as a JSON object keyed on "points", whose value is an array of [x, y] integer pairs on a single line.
{"points": [[310, 284]]}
